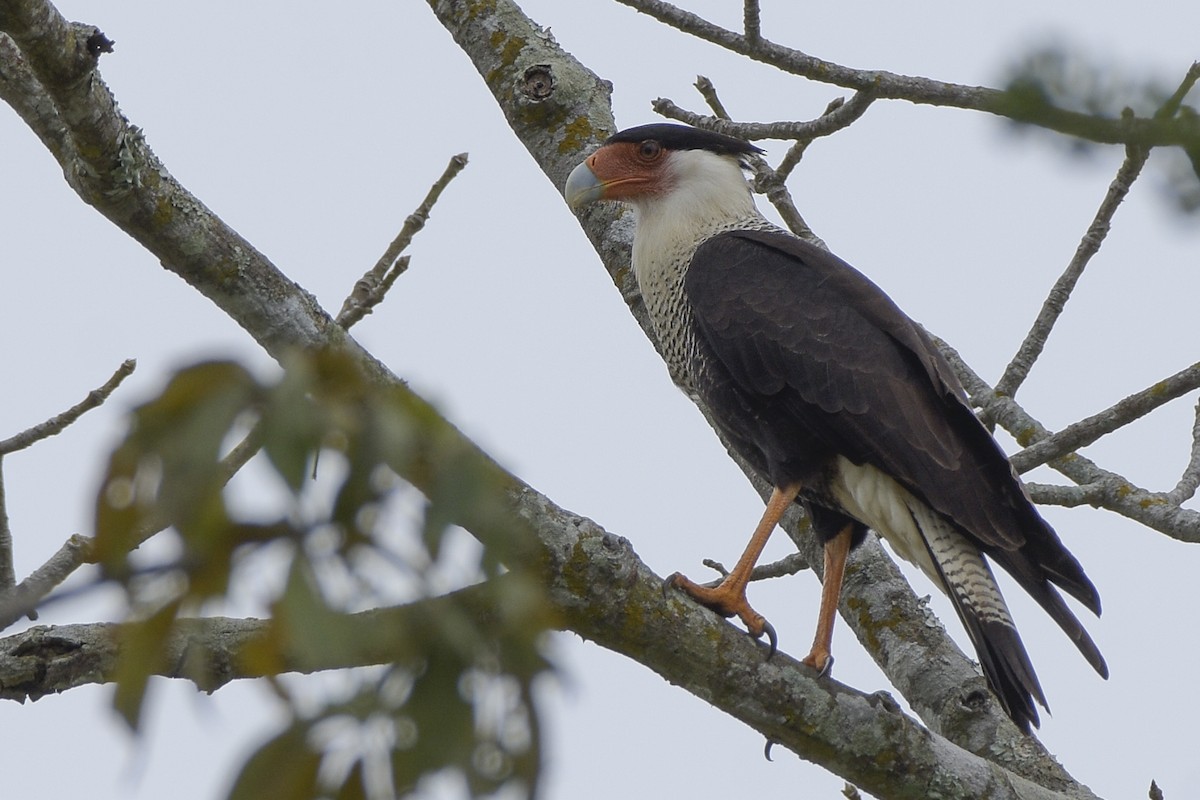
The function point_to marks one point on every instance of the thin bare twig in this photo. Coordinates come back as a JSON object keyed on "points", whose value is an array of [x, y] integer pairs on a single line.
{"points": [[55, 425], [832, 121], [8, 576], [58, 423], [788, 565], [709, 92], [1101, 488], [1135, 158], [1151, 131], [752, 20], [370, 289], [1085, 431], [23, 599], [1190, 479], [1018, 369]]}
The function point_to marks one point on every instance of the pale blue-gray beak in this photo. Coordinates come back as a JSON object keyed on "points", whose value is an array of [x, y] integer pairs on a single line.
{"points": [[583, 187]]}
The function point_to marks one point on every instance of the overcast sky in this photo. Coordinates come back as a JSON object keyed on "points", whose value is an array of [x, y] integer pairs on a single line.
{"points": [[314, 128]]}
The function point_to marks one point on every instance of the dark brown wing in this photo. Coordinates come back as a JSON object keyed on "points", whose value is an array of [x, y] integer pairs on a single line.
{"points": [[816, 347]]}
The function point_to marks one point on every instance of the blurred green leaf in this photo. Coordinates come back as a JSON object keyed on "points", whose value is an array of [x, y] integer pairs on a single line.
{"points": [[284, 768], [166, 470], [292, 424], [444, 723], [142, 648], [1056, 77], [306, 625], [466, 661], [353, 787]]}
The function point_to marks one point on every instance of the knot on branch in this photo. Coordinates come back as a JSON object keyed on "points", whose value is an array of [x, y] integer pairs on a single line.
{"points": [[538, 82], [98, 43]]}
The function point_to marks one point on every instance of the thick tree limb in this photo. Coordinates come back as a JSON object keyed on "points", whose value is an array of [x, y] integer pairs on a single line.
{"points": [[107, 162], [602, 590]]}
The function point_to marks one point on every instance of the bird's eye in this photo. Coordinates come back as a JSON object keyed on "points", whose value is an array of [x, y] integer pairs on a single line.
{"points": [[649, 150]]}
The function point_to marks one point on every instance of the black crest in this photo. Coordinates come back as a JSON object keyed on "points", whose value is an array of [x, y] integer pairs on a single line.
{"points": [[682, 137]]}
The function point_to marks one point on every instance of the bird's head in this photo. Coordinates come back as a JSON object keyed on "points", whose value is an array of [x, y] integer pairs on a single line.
{"points": [[647, 163]]}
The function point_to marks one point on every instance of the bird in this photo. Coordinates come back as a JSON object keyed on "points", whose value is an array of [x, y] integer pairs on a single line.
{"points": [[833, 395]]}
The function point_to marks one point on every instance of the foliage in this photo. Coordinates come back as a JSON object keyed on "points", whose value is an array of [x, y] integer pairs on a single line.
{"points": [[457, 689], [1057, 76]]}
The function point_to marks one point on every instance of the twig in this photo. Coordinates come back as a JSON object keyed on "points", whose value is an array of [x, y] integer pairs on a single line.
{"points": [[767, 181], [57, 424], [370, 289], [1052, 494], [23, 599], [832, 121], [1018, 369], [1190, 479], [1135, 158], [8, 576], [788, 565], [752, 20], [1086, 431], [1152, 131], [709, 92], [1099, 486]]}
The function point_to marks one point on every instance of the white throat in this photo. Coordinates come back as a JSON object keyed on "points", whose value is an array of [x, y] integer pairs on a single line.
{"points": [[707, 192]]}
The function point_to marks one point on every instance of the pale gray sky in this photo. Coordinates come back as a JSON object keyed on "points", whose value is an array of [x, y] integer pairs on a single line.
{"points": [[313, 133]]}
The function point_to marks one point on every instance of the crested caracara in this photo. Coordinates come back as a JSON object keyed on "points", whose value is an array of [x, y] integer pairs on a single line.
{"points": [[832, 394]]}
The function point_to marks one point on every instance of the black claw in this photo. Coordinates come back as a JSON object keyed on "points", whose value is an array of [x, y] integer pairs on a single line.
{"points": [[767, 750], [669, 584], [825, 670], [773, 641]]}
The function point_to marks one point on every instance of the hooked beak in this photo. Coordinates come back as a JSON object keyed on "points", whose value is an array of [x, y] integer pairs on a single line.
{"points": [[583, 187]]}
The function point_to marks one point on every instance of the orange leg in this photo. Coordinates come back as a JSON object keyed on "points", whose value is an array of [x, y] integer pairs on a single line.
{"points": [[729, 597], [836, 549]]}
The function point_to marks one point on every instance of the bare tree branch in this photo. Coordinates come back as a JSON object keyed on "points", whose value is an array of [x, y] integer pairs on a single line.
{"points": [[58, 423], [752, 21], [833, 120], [1190, 479], [51, 427], [1147, 132], [1135, 158], [678, 642], [1082, 433], [788, 565], [22, 600], [1098, 487], [8, 576], [1018, 369], [371, 288]]}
